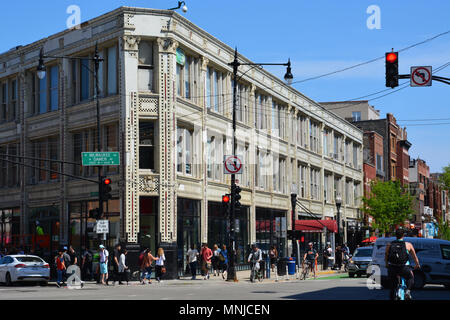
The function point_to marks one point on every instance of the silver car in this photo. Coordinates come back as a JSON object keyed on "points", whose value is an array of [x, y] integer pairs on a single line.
{"points": [[359, 262], [16, 268]]}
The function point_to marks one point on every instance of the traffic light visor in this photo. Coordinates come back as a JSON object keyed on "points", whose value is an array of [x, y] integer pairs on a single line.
{"points": [[391, 57]]}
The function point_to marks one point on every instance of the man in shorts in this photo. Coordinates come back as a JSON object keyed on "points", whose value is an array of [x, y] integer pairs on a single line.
{"points": [[310, 258], [103, 264]]}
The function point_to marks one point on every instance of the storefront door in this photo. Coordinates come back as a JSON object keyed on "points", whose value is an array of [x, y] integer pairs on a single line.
{"points": [[148, 223]]}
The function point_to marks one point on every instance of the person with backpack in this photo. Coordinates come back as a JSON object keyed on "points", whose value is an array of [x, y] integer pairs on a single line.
{"points": [[223, 258], [103, 260], [215, 260], [86, 265], [146, 266], [60, 267], [123, 268], [397, 261]]}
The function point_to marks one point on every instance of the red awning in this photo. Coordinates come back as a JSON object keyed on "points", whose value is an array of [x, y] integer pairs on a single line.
{"points": [[371, 239], [316, 225]]}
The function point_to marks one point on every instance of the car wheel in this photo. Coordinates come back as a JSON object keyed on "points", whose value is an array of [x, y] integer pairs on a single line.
{"points": [[8, 281], [351, 275], [419, 280], [359, 275]]}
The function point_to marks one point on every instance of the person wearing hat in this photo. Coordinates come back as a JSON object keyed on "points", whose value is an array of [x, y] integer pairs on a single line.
{"points": [[104, 254]]}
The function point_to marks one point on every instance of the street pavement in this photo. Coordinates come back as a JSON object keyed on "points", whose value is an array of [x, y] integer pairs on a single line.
{"points": [[328, 286]]}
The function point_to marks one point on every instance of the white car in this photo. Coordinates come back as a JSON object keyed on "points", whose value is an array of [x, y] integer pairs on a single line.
{"points": [[16, 268]]}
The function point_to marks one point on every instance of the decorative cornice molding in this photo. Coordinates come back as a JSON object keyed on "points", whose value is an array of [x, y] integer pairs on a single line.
{"points": [[167, 45]]}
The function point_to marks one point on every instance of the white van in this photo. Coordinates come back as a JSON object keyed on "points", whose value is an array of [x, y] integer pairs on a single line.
{"points": [[433, 255]]}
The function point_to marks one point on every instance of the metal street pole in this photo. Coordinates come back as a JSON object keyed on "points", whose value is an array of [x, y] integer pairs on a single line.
{"points": [[231, 275], [294, 242], [99, 142]]}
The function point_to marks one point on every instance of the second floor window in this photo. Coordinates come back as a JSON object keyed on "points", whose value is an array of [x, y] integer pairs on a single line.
{"points": [[184, 150], [147, 145], [145, 66], [9, 171]]}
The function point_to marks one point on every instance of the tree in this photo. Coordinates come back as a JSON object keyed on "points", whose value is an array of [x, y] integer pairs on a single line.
{"points": [[445, 177], [389, 204], [443, 229]]}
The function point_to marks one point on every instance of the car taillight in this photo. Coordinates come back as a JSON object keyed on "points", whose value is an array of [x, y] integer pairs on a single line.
{"points": [[46, 266], [20, 265]]}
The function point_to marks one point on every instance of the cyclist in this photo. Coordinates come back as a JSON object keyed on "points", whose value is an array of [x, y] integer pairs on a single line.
{"points": [[310, 258], [397, 261], [255, 257]]}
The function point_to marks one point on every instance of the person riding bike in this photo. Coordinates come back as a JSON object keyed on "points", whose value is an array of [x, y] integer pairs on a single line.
{"points": [[397, 261], [255, 257], [310, 258]]}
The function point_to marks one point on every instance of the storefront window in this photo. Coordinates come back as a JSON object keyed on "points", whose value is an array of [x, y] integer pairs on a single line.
{"points": [[148, 223], [43, 236], [188, 228], [218, 228], [271, 230], [9, 227]]}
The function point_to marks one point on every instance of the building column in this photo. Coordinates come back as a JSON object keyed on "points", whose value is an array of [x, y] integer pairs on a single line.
{"points": [[204, 159], [129, 131], [252, 163], [167, 138]]}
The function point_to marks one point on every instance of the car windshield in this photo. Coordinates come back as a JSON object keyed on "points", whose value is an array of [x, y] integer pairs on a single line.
{"points": [[363, 252], [29, 259]]}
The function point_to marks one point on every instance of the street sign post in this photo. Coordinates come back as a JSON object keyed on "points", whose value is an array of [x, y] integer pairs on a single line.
{"points": [[421, 76], [233, 165], [100, 158], [102, 226]]}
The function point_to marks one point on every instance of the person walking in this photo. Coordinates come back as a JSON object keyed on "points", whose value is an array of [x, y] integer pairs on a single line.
{"points": [[86, 265], [115, 264], [223, 258], [73, 256], [147, 266], [159, 265], [339, 257], [206, 255], [103, 259], [215, 260], [192, 258], [123, 268], [60, 267], [273, 256]]}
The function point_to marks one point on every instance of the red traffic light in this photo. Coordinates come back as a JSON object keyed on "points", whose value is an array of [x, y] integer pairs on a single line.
{"points": [[106, 181], [225, 199], [391, 57]]}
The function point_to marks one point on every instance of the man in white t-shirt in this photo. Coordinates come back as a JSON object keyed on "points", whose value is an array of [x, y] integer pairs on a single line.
{"points": [[103, 264], [191, 257]]}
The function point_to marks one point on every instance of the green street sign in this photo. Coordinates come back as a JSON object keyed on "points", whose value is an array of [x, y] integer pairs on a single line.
{"points": [[100, 158], [94, 194]]}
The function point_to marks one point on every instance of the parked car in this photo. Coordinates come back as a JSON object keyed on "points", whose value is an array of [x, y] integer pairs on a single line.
{"points": [[433, 255], [360, 261], [16, 268]]}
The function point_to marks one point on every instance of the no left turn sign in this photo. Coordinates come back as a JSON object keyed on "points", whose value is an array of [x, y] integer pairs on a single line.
{"points": [[421, 76], [232, 165]]}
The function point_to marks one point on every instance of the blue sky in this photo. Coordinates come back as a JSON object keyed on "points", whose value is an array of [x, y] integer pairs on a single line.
{"points": [[319, 36]]}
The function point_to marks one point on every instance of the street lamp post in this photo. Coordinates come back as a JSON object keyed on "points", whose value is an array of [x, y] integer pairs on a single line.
{"points": [[338, 207], [231, 275], [41, 75], [293, 205]]}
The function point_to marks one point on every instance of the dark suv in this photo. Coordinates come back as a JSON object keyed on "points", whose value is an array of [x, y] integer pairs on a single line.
{"points": [[359, 261]]}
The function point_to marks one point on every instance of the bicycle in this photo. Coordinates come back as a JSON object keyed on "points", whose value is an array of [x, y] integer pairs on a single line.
{"points": [[401, 289], [256, 273], [305, 271]]}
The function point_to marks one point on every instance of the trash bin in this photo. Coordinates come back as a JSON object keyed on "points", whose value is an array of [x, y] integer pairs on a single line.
{"points": [[291, 265], [281, 266]]}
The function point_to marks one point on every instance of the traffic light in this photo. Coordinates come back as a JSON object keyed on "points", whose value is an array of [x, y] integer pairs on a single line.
{"points": [[105, 189], [391, 69], [226, 200], [94, 214], [237, 195]]}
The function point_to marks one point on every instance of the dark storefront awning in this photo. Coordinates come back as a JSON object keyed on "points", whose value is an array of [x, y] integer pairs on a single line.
{"points": [[316, 225]]}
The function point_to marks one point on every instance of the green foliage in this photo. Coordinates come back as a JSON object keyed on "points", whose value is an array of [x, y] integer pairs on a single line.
{"points": [[389, 204], [444, 229], [445, 178]]}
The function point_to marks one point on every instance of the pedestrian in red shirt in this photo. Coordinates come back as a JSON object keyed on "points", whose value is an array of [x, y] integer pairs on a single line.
{"points": [[206, 255]]}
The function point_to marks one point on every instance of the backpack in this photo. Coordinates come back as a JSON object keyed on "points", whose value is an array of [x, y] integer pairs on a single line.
{"points": [[398, 255], [141, 259]]}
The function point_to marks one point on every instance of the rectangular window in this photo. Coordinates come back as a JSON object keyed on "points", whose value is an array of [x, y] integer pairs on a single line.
{"points": [[210, 154], [3, 167], [4, 101], [13, 168], [43, 95], [208, 88], [355, 156], [356, 116], [53, 155], [216, 90], [147, 145], [77, 140], [112, 71], [187, 78], [54, 73], [301, 169], [73, 81], [184, 150], [13, 103], [84, 79]]}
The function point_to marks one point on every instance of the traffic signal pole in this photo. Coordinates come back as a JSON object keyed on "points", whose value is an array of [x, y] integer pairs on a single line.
{"points": [[99, 140]]}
